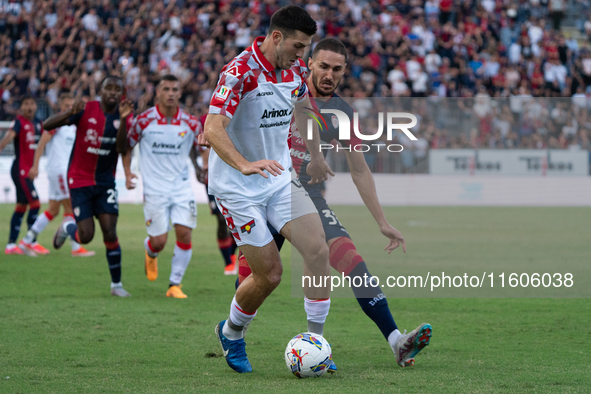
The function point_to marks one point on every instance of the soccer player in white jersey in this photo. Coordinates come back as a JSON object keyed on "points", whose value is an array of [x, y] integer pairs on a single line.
{"points": [[250, 172], [59, 143], [166, 134]]}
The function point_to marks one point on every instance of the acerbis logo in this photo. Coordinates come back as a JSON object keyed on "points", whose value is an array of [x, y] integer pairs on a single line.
{"points": [[264, 94], [340, 120]]}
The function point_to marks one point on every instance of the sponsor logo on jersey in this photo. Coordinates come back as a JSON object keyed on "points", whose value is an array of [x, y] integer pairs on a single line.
{"points": [[223, 92], [247, 228], [97, 151], [161, 145], [92, 120], [276, 113], [264, 94], [91, 136], [27, 127]]}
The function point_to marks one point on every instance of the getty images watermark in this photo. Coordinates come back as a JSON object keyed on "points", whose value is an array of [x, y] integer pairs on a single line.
{"points": [[340, 120]]}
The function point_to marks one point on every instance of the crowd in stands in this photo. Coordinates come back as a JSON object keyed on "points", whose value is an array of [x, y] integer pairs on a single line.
{"points": [[470, 49]]}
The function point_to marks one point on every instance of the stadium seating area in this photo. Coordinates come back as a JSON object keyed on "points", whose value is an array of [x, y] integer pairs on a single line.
{"points": [[415, 48]]}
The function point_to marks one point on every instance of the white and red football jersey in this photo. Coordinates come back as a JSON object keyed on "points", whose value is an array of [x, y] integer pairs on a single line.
{"points": [[59, 149], [165, 144], [259, 100]]}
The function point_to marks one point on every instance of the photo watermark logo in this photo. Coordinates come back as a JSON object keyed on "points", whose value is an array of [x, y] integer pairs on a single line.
{"points": [[340, 120]]}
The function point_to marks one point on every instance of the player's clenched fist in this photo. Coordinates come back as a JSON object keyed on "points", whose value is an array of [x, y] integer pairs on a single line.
{"points": [[259, 167], [78, 106]]}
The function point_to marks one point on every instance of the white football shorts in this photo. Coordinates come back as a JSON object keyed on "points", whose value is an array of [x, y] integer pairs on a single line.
{"points": [[58, 186], [161, 210], [248, 221]]}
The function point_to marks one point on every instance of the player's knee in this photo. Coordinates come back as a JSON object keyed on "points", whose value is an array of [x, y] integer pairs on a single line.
{"points": [[158, 243], [271, 279], [85, 235], [318, 250], [110, 235]]}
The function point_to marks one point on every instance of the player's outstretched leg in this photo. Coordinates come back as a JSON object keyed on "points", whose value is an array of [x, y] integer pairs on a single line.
{"points": [[345, 259], [15, 226]]}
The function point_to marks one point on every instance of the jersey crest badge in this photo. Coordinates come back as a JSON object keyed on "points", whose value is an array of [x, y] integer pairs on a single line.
{"points": [[334, 121], [116, 123], [182, 134], [247, 228]]}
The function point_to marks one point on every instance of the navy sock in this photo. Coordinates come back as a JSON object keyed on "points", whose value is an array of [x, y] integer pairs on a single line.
{"points": [[373, 301], [72, 228], [31, 217], [15, 226], [114, 260]]}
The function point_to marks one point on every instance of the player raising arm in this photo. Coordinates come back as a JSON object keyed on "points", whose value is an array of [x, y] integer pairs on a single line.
{"points": [[91, 174], [166, 134], [60, 142], [250, 172]]}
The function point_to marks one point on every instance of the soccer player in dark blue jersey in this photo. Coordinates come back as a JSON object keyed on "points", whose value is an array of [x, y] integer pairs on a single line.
{"points": [[91, 173]]}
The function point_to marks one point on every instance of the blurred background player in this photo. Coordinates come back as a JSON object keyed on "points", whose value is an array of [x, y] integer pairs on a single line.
{"points": [[59, 143], [91, 174], [25, 131], [166, 134], [225, 240], [327, 66], [250, 172]]}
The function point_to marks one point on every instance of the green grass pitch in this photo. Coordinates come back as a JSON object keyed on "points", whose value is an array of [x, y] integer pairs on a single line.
{"points": [[62, 332]]}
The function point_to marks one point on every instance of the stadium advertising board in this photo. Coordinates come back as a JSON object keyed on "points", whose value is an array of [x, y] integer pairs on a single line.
{"points": [[522, 162]]}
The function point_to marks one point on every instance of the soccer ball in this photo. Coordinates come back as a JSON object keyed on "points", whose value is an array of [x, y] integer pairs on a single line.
{"points": [[308, 355]]}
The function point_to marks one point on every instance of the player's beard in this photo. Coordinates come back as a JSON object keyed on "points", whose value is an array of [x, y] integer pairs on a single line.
{"points": [[321, 91]]}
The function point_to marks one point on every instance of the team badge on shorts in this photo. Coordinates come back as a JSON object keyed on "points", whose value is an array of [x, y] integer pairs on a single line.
{"points": [[148, 223], [77, 211], [247, 227]]}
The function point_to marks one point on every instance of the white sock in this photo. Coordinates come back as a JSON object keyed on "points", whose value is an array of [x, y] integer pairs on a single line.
{"points": [[8, 246], [30, 237], [116, 285], [393, 338], [180, 262], [317, 312], [148, 249], [238, 318], [75, 245], [40, 223]]}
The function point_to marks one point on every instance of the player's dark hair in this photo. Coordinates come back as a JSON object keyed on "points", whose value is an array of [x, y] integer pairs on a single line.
{"points": [[290, 18], [28, 97], [330, 44], [169, 77], [65, 96], [110, 77]]}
